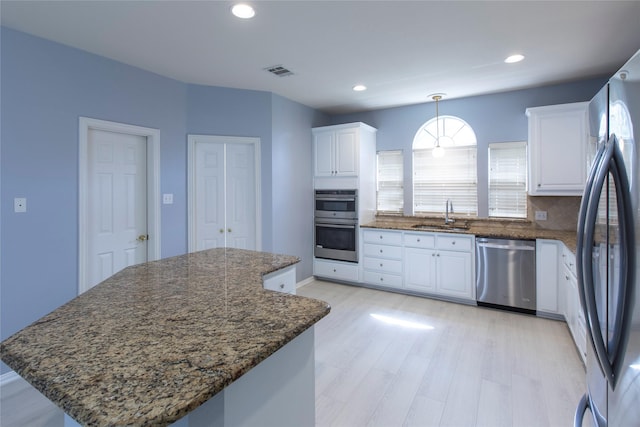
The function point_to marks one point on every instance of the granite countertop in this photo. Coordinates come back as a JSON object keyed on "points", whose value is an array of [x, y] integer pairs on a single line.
{"points": [[155, 341], [499, 228]]}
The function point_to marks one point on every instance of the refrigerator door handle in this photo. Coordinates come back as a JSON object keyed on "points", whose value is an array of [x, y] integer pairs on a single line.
{"points": [[583, 405], [625, 285], [610, 360], [591, 312], [581, 222]]}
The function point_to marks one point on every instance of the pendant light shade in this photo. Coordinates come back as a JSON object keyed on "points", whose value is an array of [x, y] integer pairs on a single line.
{"points": [[438, 151]]}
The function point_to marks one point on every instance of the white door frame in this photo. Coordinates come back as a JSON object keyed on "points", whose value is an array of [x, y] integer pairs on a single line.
{"points": [[153, 188], [191, 202]]}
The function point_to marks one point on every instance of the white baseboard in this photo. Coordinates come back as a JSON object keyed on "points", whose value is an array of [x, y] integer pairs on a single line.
{"points": [[305, 282], [7, 378]]}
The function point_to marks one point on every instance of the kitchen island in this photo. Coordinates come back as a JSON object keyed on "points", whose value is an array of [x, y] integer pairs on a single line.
{"points": [[156, 341]]}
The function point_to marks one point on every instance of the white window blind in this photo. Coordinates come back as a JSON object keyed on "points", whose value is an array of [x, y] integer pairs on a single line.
{"points": [[508, 180], [453, 177], [390, 188]]}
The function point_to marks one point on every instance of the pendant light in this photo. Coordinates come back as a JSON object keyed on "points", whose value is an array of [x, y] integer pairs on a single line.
{"points": [[438, 151]]}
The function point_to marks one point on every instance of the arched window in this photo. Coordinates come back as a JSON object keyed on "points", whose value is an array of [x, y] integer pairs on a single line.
{"points": [[452, 176]]}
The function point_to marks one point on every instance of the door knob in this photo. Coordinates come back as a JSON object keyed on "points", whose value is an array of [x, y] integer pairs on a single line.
{"points": [[142, 237]]}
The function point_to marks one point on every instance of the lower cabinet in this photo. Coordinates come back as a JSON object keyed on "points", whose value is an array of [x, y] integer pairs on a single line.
{"points": [[338, 270], [547, 290], [573, 312], [282, 280], [382, 261], [439, 264]]}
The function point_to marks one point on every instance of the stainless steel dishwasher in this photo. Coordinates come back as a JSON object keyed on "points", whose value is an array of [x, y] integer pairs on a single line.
{"points": [[506, 273]]}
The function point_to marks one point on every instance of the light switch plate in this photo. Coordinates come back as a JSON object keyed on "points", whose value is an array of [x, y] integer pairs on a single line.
{"points": [[541, 215], [20, 204], [167, 198]]}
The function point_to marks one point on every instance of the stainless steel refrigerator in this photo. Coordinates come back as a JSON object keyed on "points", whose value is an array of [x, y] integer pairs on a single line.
{"points": [[607, 255]]}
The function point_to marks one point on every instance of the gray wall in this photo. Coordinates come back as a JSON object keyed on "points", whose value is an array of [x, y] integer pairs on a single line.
{"points": [[45, 88], [494, 118], [292, 177]]}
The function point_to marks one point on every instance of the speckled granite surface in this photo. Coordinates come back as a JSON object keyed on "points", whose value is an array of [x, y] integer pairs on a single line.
{"points": [[155, 341], [506, 229]]}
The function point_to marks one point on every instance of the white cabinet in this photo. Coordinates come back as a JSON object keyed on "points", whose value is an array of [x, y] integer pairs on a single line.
{"points": [[337, 270], [382, 259], [573, 309], [420, 262], [439, 264], [454, 266], [547, 295], [558, 138], [336, 152], [283, 280]]}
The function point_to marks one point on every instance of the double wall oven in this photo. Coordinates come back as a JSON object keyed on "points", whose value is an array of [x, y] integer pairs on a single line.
{"points": [[336, 225]]}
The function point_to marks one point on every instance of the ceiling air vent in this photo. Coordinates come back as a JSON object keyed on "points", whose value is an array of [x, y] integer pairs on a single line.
{"points": [[279, 70]]}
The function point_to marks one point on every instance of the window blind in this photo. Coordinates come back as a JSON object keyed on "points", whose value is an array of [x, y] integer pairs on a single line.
{"points": [[390, 189], [508, 180], [452, 177]]}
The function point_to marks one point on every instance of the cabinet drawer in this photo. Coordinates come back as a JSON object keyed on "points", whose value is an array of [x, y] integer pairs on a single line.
{"points": [[382, 251], [419, 240], [282, 281], [383, 237], [383, 265], [382, 279], [454, 243], [336, 270]]}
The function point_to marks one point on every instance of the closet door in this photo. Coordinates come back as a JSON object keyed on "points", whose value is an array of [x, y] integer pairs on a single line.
{"points": [[223, 192], [210, 227], [241, 196]]}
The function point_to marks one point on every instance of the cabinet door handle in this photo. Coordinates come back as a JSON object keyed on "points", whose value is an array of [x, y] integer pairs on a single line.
{"points": [[437, 254], [453, 243], [380, 237], [281, 285], [380, 264], [380, 250], [418, 240]]}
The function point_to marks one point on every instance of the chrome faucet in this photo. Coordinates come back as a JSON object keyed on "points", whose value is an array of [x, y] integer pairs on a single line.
{"points": [[447, 210]]}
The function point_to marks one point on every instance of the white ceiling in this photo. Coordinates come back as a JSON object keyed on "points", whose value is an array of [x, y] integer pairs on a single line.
{"points": [[403, 51]]}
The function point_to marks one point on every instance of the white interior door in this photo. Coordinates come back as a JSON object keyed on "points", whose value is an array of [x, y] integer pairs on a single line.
{"points": [[210, 207], [117, 208], [224, 192], [241, 196]]}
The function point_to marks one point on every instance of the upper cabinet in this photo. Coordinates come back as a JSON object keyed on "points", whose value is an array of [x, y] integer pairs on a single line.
{"points": [[336, 152], [558, 138], [343, 150]]}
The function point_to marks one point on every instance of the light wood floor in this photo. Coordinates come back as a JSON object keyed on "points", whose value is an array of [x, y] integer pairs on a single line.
{"points": [[440, 364], [419, 362]]}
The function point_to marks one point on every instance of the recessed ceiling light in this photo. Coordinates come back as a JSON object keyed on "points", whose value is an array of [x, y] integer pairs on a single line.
{"points": [[243, 10], [514, 58], [359, 88]]}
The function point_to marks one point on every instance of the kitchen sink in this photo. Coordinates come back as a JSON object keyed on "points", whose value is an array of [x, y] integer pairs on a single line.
{"points": [[439, 227]]}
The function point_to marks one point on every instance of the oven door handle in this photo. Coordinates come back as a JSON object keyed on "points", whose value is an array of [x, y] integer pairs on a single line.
{"points": [[332, 225], [336, 199]]}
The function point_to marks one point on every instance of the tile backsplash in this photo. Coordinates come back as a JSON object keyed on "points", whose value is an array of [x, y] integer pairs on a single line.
{"points": [[562, 212]]}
